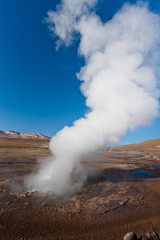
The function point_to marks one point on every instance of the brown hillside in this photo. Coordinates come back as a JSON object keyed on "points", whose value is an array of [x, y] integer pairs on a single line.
{"points": [[152, 145]]}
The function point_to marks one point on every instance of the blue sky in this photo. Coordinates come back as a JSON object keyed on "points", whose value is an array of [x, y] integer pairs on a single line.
{"points": [[39, 89]]}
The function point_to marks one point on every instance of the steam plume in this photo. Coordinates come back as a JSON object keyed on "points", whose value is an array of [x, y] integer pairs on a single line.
{"points": [[119, 81]]}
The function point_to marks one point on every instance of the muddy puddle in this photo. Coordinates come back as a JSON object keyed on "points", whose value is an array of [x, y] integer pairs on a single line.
{"points": [[124, 166], [122, 175]]}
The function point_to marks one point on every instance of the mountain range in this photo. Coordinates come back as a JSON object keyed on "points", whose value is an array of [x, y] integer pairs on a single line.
{"points": [[20, 135]]}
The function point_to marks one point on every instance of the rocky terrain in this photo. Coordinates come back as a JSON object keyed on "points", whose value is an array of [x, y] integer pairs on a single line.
{"points": [[121, 194], [28, 135]]}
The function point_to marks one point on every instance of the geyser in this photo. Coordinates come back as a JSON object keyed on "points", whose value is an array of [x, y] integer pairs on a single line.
{"points": [[119, 81]]}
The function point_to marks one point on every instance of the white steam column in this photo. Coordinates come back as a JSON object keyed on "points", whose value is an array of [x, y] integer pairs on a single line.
{"points": [[119, 81]]}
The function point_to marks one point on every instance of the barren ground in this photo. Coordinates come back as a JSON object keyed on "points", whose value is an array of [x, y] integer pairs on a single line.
{"points": [[122, 194]]}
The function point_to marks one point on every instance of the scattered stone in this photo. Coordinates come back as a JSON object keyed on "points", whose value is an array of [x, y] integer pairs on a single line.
{"points": [[44, 204], [59, 209], [26, 204], [130, 236], [151, 235], [144, 238], [23, 195], [79, 211]]}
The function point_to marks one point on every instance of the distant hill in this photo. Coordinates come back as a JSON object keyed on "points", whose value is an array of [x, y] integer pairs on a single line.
{"points": [[19, 135], [152, 145]]}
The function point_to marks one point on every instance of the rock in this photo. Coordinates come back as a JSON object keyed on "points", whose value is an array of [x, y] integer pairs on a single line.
{"points": [[2, 133], [26, 204], [151, 235], [144, 238], [12, 134], [23, 195], [34, 135], [130, 236], [44, 204]]}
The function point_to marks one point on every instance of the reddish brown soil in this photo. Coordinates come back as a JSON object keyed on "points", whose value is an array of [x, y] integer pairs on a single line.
{"points": [[152, 145], [122, 194]]}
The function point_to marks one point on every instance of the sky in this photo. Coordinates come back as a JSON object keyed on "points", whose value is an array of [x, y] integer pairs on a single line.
{"points": [[39, 88]]}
